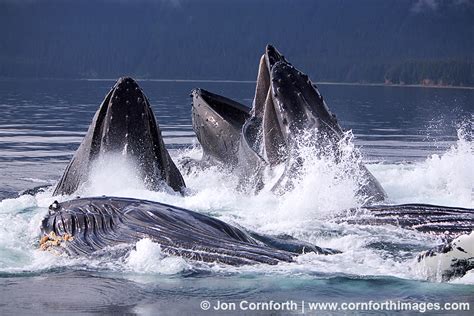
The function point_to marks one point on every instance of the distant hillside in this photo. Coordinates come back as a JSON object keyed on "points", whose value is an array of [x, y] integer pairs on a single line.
{"points": [[393, 41]]}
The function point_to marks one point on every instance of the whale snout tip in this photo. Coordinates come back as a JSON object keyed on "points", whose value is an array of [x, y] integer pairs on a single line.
{"points": [[125, 83], [126, 93], [196, 92], [273, 56], [269, 47], [126, 80]]}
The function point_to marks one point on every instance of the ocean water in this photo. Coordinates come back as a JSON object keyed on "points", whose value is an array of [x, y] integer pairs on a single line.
{"points": [[418, 142]]}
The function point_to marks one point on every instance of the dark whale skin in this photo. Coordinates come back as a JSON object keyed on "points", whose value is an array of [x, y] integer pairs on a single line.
{"points": [[445, 221], [124, 124], [97, 223], [285, 106]]}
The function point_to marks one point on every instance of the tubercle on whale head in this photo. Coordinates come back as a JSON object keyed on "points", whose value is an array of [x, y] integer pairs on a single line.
{"points": [[54, 207]]}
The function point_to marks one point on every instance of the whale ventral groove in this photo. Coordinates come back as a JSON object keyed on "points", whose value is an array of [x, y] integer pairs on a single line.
{"points": [[97, 223]]}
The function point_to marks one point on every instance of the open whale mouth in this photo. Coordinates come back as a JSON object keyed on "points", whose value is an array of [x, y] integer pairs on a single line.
{"points": [[223, 107], [217, 122], [288, 123], [286, 107]]}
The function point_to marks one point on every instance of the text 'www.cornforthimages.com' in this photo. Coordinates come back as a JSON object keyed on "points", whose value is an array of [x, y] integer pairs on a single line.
{"points": [[305, 306]]}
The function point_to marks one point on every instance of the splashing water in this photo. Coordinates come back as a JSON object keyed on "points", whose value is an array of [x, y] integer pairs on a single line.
{"points": [[325, 186], [446, 179], [148, 258], [112, 174], [329, 180]]}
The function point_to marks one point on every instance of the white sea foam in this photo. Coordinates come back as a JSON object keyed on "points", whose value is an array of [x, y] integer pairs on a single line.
{"points": [[112, 174], [446, 179], [324, 187], [148, 258]]}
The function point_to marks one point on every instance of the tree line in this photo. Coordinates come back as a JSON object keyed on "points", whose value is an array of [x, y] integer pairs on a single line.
{"points": [[339, 40]]}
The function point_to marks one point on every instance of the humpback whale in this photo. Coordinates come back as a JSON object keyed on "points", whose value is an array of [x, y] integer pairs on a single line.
{"points": [[286, 107], [87, 225], [124, 124], [286, 104], [451, 260]]}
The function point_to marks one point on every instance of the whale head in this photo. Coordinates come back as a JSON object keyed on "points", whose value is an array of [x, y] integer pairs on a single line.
{"points": [[124, 125], [293, 104]]}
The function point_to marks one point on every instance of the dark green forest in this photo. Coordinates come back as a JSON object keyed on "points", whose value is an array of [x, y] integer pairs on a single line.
{"points": [[368, 41]]}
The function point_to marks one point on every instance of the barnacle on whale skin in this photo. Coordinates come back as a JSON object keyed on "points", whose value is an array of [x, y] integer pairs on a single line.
{"points": [[47, 241]]}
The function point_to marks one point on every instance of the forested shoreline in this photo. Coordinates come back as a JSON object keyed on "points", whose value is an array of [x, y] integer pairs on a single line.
{"points": [[409, 42]]}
